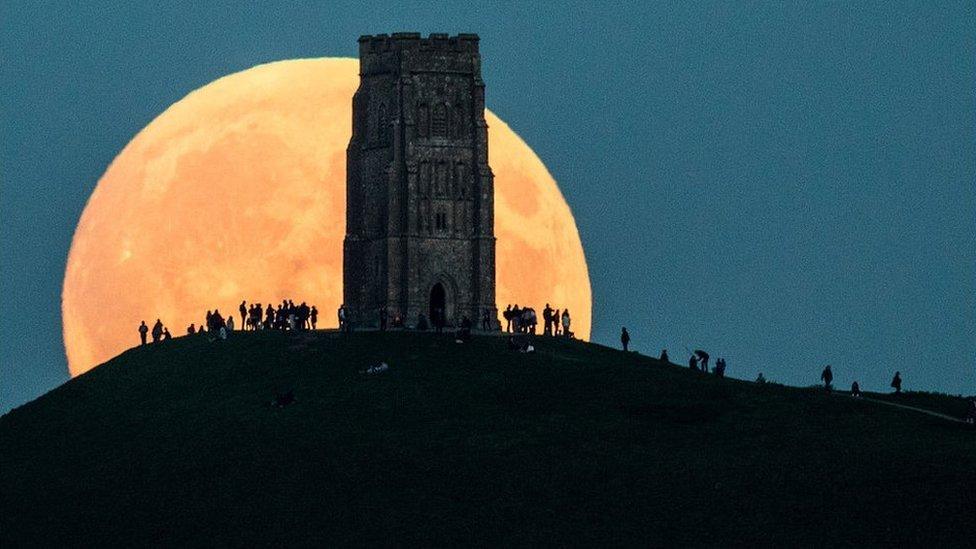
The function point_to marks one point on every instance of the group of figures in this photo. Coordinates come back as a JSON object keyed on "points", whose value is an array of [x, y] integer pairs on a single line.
{"points": [[159, 332], [525, 321], [287, 316], [827, 377], [699, 361]]}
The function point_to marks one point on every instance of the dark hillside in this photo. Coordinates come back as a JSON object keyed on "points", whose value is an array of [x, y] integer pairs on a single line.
{"points": [[176, 444]]}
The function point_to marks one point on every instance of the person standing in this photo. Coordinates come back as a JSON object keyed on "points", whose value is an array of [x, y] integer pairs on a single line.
{"points": [[230, 323], [314, 316], [624, 337], [143, 330], [827, 376], [157, 331], [664, 356], [896, 383], [243, 311], [693, 362], [547, 318], [567, 321], [855, 390]]}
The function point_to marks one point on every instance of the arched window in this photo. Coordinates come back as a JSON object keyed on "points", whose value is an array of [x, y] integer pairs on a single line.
{"points": [[438, 121], [423, 120], [382, 130], [461, 181], [458, 122]]}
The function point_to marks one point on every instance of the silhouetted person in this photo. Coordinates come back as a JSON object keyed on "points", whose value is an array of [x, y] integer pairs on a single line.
{"points": [[507, 315], [143, 330], [720, 367], [761, 379], [166, 335], [896, 383], [269, 317], [567, 321], [439, 319], [209, 323], [624, 338], [693, 362], [516, 319], [664, 356], [827, 376], [157, 331], [464, 332], [855, 390], [547, 318], [314, 316], [702, 360], [191, 329], [243, 311], [555, 322]]}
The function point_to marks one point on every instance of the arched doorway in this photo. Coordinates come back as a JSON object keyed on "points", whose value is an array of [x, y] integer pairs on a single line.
{"points": [[438, 305]]}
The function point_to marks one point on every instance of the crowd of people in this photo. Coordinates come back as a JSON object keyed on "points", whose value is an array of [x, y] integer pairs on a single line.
{"points": [[523, 320], [286, 316]]}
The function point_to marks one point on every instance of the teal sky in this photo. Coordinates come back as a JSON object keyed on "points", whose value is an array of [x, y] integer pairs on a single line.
{"points": [[784, 184]]}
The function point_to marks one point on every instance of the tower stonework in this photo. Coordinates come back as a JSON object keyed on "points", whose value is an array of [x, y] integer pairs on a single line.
{"points": [[419, 191]]}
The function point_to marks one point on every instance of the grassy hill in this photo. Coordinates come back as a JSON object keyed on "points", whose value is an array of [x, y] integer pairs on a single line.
{"points": [[176, 444]]}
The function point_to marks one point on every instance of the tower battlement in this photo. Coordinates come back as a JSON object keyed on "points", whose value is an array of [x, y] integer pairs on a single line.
{"points": [[398, 41]]}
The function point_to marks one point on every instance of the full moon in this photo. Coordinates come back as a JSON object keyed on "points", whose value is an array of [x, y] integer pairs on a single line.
{"points": [[237, 191]]}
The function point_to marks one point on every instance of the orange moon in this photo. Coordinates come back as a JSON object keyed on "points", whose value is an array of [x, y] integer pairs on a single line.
{"points": [[237, 191]]}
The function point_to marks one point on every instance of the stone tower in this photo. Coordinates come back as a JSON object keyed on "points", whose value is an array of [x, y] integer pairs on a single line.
{"points": [[420, 194]]}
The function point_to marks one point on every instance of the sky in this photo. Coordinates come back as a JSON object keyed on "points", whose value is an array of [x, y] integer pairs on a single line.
{"points": [[783, 184]]}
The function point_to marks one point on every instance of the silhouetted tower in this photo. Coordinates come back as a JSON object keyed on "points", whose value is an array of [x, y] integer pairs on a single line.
{"points": [[420, 194]]}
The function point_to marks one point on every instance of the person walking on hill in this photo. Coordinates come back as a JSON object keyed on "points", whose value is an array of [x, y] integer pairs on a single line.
{"points": [[166, 335], [827, 376], [143, 330], [693, 363], [157, 331], [896, 383], [702, 360], [624, 337], [664, 356]]}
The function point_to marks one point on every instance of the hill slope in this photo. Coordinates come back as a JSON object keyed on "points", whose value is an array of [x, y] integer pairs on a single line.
{"points": [[577, 443]]}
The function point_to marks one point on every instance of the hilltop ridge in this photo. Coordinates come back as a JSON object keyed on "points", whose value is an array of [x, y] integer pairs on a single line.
{"points": [[464, 444]]}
